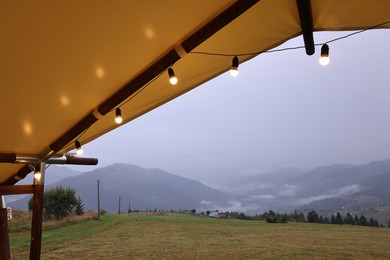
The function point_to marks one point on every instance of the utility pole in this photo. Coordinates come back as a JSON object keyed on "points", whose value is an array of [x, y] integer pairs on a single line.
{"points": [[129, 210], [98, 194], [119, 209]]}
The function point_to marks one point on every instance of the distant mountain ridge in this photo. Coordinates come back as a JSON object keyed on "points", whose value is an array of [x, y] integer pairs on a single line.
{"points": [[142, 189], [331, 178], [325, 189]]}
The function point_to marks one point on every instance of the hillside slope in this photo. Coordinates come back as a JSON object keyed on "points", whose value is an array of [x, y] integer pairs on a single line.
{"points": [[141, 188]]}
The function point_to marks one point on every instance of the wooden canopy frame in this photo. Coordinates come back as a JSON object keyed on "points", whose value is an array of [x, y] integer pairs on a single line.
{"points": [[37, 189]]}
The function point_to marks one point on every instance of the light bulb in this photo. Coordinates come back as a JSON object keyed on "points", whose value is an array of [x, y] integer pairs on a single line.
{"points": [[37, 175], [234, 70], [118, 116], [79, 149], [324, 60], [172, 77]]}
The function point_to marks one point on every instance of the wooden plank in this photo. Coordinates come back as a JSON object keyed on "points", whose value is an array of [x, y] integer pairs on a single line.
{"points": [[16, 189], [4, 237], [21, 174], [81, 161], [217, 23], [36, 223], [7, 157]]}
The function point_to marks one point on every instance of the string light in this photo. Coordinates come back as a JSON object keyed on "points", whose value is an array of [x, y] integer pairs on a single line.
{"points": [[234, 70], [172, 77], [118, 116], [37, 175], [324, 46], [324, 59], [79, 149]]}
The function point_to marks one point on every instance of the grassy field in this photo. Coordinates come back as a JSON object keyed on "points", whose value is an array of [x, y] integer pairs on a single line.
{"points": [[175, 236]]}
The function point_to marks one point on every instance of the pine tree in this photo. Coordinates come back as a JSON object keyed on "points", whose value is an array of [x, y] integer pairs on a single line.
{"points": [[363, 220], [356, 220], [349, 219], [79, 209], [339, 218], [333, 219], [312, 217]]}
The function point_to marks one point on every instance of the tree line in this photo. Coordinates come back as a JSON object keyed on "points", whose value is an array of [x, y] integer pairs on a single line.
{"points": [[311, 217], [60, 202]]}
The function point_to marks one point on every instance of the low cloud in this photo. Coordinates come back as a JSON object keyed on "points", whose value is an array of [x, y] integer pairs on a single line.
{"points": [[287, 190], [206, 203], [244, 189], [348, 190], [341, 192], [238, 206], [264, 196]]}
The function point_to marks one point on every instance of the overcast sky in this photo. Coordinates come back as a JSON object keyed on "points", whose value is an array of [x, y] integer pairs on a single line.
{"points": [[284, 109]]}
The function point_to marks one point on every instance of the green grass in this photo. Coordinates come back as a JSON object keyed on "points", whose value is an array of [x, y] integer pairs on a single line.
{"points": [[179, 236]]}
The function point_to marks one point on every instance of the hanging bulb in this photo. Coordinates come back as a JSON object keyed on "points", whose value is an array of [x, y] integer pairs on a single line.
{"points": [[172, 77], [234, 70], [118, 116], [79, 149], [324, 60], [37, 175]]}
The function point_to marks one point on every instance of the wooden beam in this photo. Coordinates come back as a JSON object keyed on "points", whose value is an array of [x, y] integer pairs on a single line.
{"points": [[16, 189], [21, 174], [7, 157], [36, 223], [4, 237], [37, 215], [306, 18]]}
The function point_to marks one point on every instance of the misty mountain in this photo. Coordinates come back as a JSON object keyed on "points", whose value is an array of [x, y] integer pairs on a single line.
{"points": [[260, 183], [328, 189], [377, 186], [324, 188], [142, 189], [373, 192], [337, 179]]}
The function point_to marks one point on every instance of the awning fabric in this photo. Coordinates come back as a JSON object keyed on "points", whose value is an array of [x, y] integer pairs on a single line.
{"points": [[61, 60]]}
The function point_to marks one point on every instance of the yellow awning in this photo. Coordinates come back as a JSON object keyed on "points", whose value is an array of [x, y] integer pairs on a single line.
{"points": [[66, 65]]}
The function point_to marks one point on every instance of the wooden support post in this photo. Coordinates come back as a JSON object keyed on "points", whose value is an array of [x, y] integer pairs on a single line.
{"points": [[16, 189], [36, 223], [4, 238]]}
